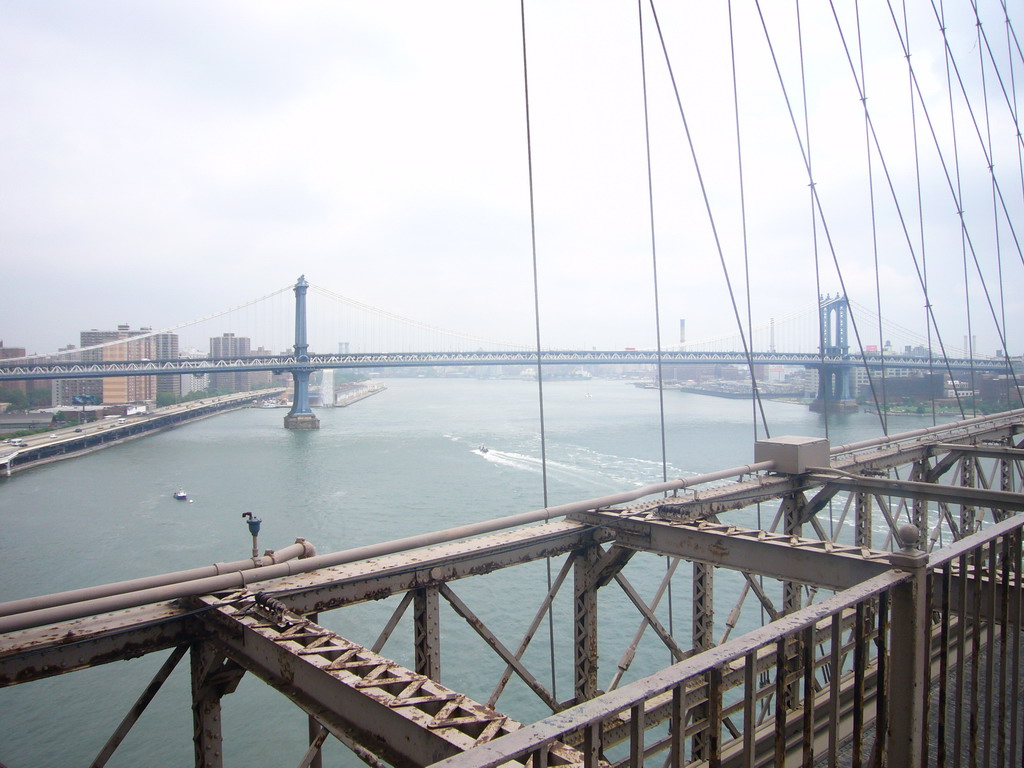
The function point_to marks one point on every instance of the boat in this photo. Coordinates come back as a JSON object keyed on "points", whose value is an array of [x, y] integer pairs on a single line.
{"points": [[483, 449], [180, 495]]}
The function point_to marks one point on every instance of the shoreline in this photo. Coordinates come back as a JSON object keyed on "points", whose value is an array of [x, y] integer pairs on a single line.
{"points": [[50, 447]]}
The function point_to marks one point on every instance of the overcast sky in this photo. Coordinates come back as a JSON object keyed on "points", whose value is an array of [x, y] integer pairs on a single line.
{"points": [[161, 161]]}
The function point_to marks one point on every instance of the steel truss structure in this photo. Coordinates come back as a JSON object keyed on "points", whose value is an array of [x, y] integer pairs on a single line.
{"points": [[891, 631], [37, 371]]}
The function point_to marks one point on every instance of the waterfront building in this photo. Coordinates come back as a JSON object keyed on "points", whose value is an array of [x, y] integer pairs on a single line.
{"points": [[196, 382], [139, 344], [127, 389], [165, 347], [7, 353], [230, 346]]}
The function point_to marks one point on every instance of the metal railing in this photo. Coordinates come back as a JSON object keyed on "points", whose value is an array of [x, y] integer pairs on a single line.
{"points": [[919, 665]]}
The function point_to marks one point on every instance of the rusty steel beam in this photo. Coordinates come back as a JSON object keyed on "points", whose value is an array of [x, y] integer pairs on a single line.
{"points": [[407, 719], [427, 632], [809, 561], [950, 494], [499, 647], [139, 707], [35, 654], [335, 587]]}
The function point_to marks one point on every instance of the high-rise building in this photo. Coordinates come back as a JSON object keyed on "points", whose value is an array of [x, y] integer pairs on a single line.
{"points": [[6, 353], [128, 389], [227, 347], [137, 345], [165, 347]]}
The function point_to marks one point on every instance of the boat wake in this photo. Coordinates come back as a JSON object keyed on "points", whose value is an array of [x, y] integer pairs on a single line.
{"points": [[586, 468]]}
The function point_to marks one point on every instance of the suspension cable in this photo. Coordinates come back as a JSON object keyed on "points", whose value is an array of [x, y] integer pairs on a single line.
{"points": [[654, 249], [536, 317], [823, 384], [982, 37], [148, 334], [707, 208], [814, 190], [920, 204], [414, 323], [958, 200], [743, 211], [883, 410]]}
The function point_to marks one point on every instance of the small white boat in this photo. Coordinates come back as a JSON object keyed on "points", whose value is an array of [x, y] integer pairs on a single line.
{"points": [[180, 495]]}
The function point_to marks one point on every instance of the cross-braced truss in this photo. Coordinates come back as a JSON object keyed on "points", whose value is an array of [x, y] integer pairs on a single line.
{"points": [[887, 570]]}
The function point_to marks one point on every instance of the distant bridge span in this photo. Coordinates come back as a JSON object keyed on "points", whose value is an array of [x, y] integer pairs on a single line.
{"points": [[281, 363]]}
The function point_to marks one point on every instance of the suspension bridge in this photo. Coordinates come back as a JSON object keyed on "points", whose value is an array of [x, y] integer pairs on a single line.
{"points": [[889, 578], [833, 359]]}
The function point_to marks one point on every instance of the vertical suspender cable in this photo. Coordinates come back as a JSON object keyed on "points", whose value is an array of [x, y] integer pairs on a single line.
{"points": [[1000, 330], [920, 207], [707, 208], [806, 160], [1014, 108], [882, 410], [746, 250], [960, 208], [743, 219], [657, 306], [995, 196], [536, 319], [654, 250], [1015, 112], [533, 250], [823, 387]]}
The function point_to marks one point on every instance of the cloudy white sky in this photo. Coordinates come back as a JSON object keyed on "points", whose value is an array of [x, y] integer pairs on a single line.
{"points": [[160, 161]]}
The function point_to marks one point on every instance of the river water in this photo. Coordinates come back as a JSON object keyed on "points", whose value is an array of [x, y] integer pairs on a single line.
{"points": [[402, 462]]}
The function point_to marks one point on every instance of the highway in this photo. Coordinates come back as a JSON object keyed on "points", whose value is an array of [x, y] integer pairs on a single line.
{"points": [[67, 442]]}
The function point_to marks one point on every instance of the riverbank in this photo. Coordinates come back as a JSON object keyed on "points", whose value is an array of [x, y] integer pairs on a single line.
{"points": [[358, 393], [60, 444]]}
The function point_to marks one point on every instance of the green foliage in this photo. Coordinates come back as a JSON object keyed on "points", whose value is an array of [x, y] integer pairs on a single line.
{"points": [[169, 398], [17, 399], [36, 398], [166, 398], [40, 398]]}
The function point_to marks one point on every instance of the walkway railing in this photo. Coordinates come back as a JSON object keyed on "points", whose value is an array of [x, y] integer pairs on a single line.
{"points": [[865, 677]]}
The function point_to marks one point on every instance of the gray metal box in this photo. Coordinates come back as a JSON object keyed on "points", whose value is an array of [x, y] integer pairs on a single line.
{"points": [[793, 454]]}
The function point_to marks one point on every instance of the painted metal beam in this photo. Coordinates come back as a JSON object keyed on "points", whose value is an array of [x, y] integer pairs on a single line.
{"points": [[40, 653], [808, 561], [950, 494], [330, 588], [407, 719]]}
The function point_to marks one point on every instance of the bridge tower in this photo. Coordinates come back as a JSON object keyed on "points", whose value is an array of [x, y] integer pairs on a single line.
{"points": [[834, 392], [300, 416]]}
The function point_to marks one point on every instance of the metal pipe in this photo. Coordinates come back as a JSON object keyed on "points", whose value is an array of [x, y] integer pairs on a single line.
{"points": [[851, 447], [301, 548], [241, 578]]}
